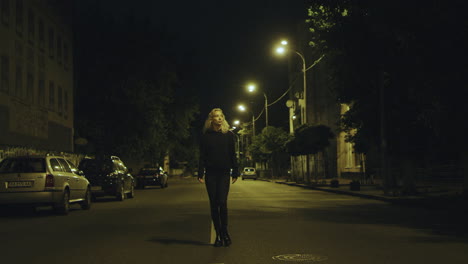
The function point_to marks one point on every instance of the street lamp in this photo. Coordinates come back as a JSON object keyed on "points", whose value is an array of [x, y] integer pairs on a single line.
{"points": [[236, 123], [242, 108], [283, 49], [251, 88]]}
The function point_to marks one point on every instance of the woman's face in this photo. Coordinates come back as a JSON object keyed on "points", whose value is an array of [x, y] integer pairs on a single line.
{"points": [[217, 118]]}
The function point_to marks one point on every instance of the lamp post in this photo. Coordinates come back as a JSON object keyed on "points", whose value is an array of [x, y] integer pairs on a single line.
{"points": [[281, 50], [237, 123], [251, 88], [242, 108]]}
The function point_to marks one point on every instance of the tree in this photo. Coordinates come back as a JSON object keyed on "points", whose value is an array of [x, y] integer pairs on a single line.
{"points": [[309, 139], [270, 146], [403, 56], [128, 89]]}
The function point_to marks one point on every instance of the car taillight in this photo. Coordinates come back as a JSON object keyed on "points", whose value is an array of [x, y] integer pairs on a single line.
{"points": [[49, 182]]}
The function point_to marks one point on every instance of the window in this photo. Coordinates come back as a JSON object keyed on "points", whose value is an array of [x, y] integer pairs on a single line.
{"points": [[65, 55], [51, 96], [19, 17], [30, 85], [65, 165], [59, 49], [31, 25], [51, 42], [22, 165], [41, 61], [41, 34], [60, 100], [4, 73], [72, 167], [19, 80], [65, 104], [55, 165], [41, 90], [30, 55], [5, 11]]}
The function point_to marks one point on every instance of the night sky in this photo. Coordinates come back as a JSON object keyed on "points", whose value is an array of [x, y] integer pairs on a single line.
{"points": [[233, 42]]}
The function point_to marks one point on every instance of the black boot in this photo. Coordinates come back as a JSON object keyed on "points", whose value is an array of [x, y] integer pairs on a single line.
{"points": [[218, 241], [226, 238]]}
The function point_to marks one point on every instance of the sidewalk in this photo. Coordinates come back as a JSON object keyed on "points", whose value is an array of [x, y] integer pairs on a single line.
{"points": [[432, 199]]}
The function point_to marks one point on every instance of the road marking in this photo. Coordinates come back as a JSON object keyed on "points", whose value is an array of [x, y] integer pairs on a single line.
{"points": [[212, 234], [300, 257]]}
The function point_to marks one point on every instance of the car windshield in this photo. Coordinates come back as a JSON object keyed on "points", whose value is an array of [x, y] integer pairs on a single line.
{"points": [[92, 165], [249, 169], [22, 165], [148, 172]]}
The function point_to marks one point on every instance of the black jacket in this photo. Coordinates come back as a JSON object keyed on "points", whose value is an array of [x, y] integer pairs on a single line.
{"points": [[217, 151]]}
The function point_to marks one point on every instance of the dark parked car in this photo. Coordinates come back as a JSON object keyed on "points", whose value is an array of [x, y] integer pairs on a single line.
{"points": [[151, 177], [108, 176]]}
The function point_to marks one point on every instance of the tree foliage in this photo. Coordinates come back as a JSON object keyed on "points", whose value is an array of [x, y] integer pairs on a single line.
{"points": [[128, 90], [270, 146], [309, 139], [414, 51]]}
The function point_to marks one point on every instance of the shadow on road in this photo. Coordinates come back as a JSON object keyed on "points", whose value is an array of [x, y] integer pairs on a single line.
{"points": [[172, 241], [446, 226], [28, 212]]}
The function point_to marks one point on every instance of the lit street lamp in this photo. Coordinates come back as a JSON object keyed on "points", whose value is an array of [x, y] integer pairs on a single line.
{"points": [[251, 88], [237, 123], [242, 108], [283, 49]]}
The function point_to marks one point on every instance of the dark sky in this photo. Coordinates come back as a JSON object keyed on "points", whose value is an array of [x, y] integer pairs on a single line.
{"points": [[234, 41]]}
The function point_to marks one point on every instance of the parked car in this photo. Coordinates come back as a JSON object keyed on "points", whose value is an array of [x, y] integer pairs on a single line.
{"points": [[151, 176], [43, 180], [249, 173], [108, 177]]}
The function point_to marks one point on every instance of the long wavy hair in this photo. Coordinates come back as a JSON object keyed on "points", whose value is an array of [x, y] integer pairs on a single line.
{"points": [[209, 125]]}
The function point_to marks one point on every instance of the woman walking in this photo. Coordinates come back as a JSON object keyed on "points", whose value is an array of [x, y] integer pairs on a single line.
{"points": [[217, 163]]}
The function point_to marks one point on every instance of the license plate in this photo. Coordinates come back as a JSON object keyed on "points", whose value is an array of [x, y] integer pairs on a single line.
{"points": [[19, 184], [96, 188]]}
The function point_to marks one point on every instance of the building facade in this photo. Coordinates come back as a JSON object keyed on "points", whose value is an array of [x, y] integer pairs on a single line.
{"points": [[36, 76], [339, 160]]}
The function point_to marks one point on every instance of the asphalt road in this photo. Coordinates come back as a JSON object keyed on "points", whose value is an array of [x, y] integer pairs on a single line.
{"points": [[269, 223]]}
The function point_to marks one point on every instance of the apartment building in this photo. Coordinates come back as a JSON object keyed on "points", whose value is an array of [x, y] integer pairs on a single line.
{"points": [[36, 76]]}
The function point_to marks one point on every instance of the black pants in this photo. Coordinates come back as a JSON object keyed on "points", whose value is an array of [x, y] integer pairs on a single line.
{"points": [[217, 183]]}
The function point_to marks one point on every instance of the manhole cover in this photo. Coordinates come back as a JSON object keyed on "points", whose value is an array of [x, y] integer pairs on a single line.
{"points": [[300, 257]]}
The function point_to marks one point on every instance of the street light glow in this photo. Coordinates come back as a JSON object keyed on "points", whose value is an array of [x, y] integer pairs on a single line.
{"points": [[236, 122], [241, 107], [251, 88], [280, 50], [284, 42]]}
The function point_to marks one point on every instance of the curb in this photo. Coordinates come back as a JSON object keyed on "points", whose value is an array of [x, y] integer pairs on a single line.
{"points": [[454, 203], [362, 195]]}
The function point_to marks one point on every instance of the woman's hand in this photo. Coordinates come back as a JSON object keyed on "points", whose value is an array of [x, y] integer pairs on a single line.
{"points": [[201, 180], [234, 180]]}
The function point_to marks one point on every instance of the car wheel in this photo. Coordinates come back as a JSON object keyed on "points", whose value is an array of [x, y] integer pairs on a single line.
{"points": [[131, 194], [120, 195], [63, 207], [86, 204]]}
